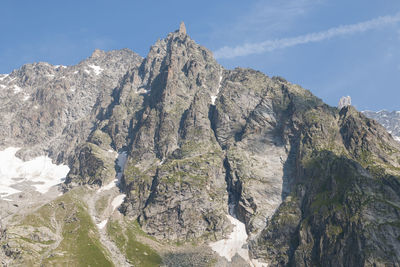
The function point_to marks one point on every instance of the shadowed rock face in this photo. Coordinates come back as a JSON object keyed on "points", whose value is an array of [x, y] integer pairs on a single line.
{"points": [[314, 185]]}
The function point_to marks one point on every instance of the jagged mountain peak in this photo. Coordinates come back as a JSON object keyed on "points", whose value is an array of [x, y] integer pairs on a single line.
{"points": [[389, 119], [344, 102], [97, 53], [189, 152], [182, 28]]}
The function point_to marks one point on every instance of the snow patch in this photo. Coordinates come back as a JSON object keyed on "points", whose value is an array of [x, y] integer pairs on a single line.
{"points": [[2, 86], [102, 224], [397, 138], [117, 201], [6, 189], [3, 76], [214, 97], [40, 171], [233, 245], [17, 89], [97, 69], [26, 97], [142, 91], [236, 243]]}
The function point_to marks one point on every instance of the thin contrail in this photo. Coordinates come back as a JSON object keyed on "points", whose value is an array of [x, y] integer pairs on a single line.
{"points": [[270, 45]]}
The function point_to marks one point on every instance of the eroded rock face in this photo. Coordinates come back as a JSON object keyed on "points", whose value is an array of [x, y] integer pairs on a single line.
{"points": [[390, 120], [344, 102], [204, 141], [175, 176], [50, 109], [313, 184]]}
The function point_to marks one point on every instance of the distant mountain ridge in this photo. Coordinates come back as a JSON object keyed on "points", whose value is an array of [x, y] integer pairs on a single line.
{"points": [[389, 119]]}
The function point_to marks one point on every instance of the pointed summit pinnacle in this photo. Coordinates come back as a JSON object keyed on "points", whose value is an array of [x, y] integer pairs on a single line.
{"points": [[344, 102], [182, 28]]}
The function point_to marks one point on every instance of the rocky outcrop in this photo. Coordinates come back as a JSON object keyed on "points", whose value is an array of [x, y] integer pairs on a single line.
{"points": [[204, 141], [313, 184], [338, 212], [48, 109], [389, 120], [175, 178], [344, 102]]}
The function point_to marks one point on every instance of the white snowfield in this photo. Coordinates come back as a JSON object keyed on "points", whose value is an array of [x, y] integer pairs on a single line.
{"points": [[97, 69], [214, 97], [17, 89], [3, 76], [397, 138], [40, 172], [117, 201], [236, 243]]}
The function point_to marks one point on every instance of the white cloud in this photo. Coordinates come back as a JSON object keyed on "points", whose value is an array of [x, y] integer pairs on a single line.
{"points": [[270, 16], [260, 18], [270, 45]]}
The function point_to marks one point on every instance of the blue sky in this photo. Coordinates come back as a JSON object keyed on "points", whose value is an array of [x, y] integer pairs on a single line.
{"points": [[354, 50]]}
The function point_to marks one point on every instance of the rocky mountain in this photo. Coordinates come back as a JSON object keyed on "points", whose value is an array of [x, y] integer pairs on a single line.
{"points": [[344, 102], [50, 109], [176, 161], [390, 120]]}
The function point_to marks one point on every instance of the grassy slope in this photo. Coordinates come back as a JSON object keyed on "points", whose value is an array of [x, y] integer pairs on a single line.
{"points": [[67, 217], [135, 251]]}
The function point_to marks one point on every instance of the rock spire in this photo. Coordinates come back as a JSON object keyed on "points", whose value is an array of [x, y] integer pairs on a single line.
{"points": [[182, 28], [344, 102]]}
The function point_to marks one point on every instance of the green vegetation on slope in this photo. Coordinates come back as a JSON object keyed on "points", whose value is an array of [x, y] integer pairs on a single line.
{"points": [[125, 237], [68, 218]]}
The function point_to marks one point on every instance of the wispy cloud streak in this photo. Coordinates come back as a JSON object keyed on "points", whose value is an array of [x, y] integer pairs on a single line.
{"points": [[270, 45]]}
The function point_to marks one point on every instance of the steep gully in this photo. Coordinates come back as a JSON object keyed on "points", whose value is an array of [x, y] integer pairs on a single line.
{"points": [[236, 243], [112, 189]]}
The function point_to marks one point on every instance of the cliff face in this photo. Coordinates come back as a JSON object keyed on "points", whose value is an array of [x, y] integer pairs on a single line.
{"points": [[314, 185], [338, 212], [390, 120], [51, 109]]}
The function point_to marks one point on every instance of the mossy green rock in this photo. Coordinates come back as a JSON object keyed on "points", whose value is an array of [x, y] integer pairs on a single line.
{"points": [[313, 184]]}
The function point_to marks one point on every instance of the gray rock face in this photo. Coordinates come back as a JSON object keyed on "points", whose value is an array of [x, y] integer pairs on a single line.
{"points": [[344, 102], [313, 184], [50, 109], [389, 120]]}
